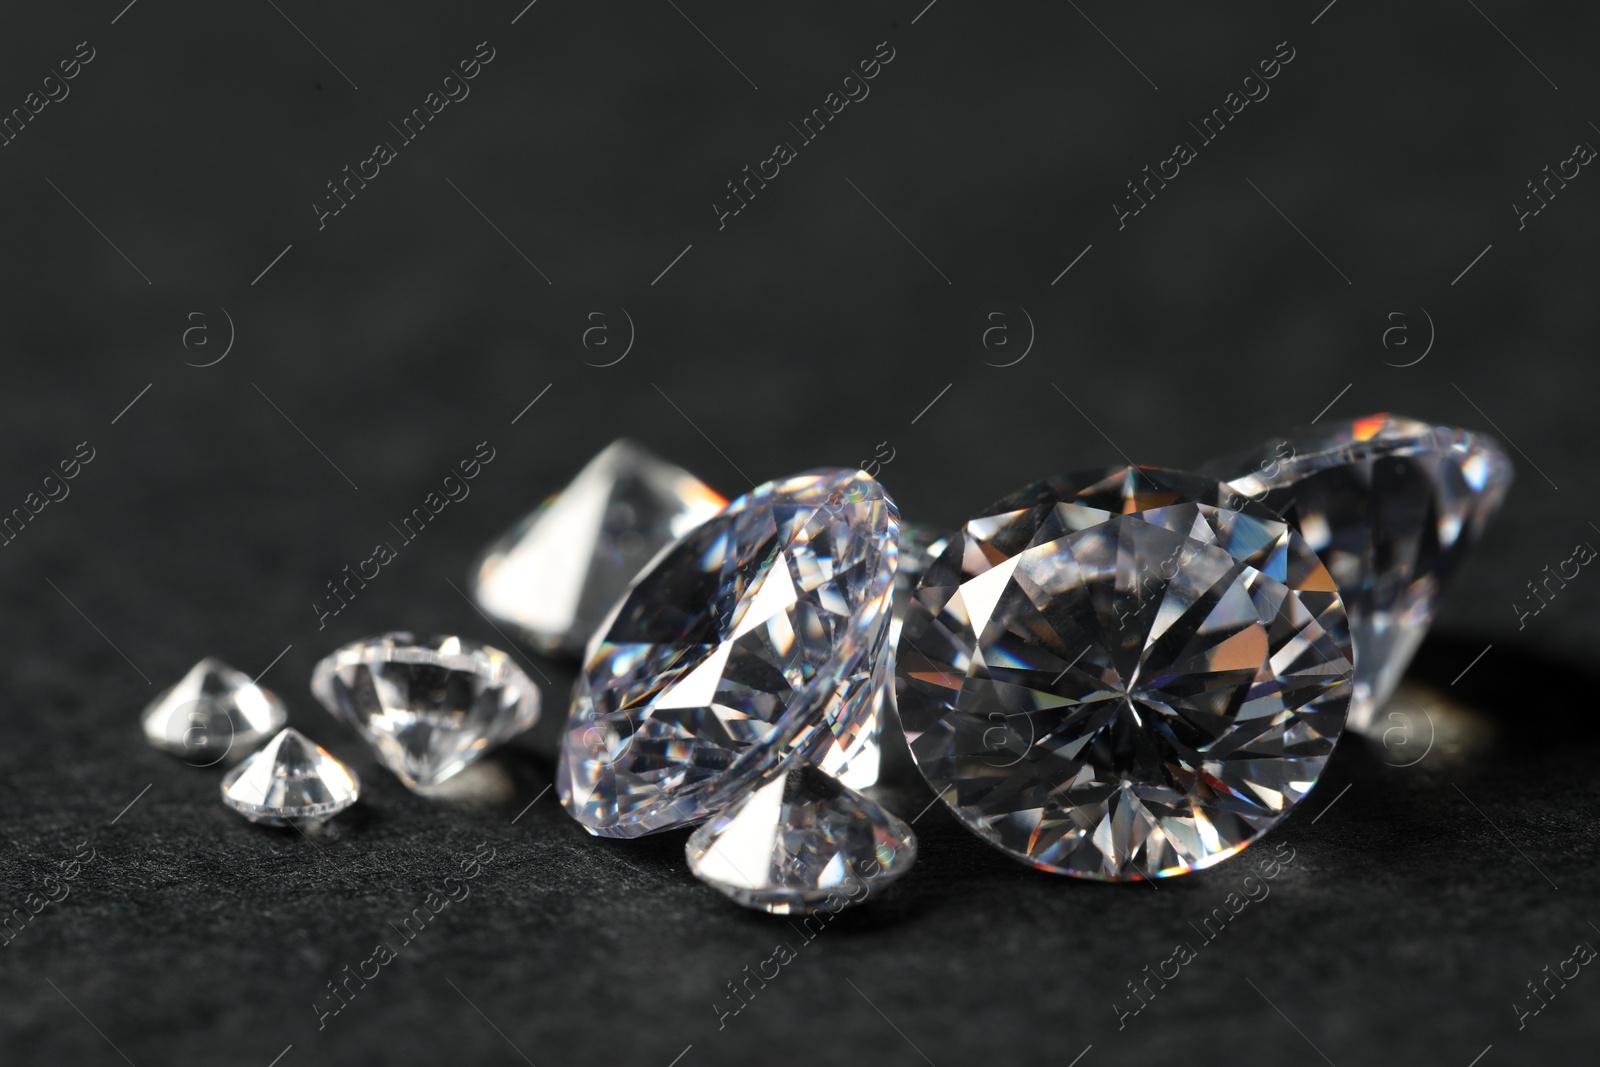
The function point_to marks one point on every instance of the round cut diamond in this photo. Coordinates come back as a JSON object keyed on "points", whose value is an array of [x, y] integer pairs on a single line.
{"points": [[292, 779], [1391, 505], [756, 638], [1124, 674]]}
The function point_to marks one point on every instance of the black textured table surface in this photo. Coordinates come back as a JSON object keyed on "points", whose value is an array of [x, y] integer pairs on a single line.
{"points": [[953, 279]]}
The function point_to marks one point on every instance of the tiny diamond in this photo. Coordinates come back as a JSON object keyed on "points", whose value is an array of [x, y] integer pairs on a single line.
{"points": [[801, 842], [556, 573], [1391, 505], [759, 635], [212, 712], [1124, 674], [291, 779], [427, 708]]}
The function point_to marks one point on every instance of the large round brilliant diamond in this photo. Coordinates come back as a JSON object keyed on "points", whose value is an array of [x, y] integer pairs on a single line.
{"points": [[1124, 674], [754, 639]]}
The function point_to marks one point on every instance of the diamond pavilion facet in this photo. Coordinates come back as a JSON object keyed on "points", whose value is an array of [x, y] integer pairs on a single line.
{"points": [[556, 573], [757, 638], [214, 711], [292, 779], [1124, 674], [799, 843], [1391, 505], [427, 708]]}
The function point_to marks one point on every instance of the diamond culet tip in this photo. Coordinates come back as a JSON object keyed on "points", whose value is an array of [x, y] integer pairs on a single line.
{"points": [[1124, 674], [759, 635], [427, 707], [291, 780]]}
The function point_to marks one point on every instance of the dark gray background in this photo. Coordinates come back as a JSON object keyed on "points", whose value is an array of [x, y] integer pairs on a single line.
{"points": [[808, 331]]}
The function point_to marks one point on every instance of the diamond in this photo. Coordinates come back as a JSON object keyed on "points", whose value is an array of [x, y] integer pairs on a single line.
{"points": [[427, 708], [211, 712], [292, 779], [1391, 505], [799, 843], [756, 638], [919, 546], [1124, 674], [556, 573]]}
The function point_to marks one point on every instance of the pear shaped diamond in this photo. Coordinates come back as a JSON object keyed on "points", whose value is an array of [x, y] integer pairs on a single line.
{"points": [[427, 708], [1391, 505], [1124, 674], [556, 573], [212, 712], [799, 843], [759, 635], [291, 779]]}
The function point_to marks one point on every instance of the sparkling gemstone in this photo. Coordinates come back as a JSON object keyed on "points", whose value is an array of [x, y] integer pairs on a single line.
{"points": [[556, 573], [211, 712], [758, 637], [427, 708], [1392, 506], [800, 843], [919, 546], [289, 780], [1124, 674]]}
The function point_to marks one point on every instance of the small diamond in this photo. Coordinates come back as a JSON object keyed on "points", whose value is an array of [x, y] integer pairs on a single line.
{"points": [[557, 572], [759, 635], [212, 712], [1124, 674], [291, 779], [1391, 505], [428, 708], [801, 842]]}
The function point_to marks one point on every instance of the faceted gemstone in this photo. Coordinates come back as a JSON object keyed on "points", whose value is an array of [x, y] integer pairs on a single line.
{"points": [[556, 573], [758, 637], [1392, 506], [1124, 674], [427, 708], [801, 842], [291, 779], [212, 712], [919, 546]]}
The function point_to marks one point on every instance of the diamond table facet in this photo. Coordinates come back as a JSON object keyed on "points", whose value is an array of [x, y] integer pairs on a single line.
{"points": [[213, 712], [556, 573], [1391, 505], [427, 707], [757, 638], [1124, 674], [800, 843], [292, 779]]}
